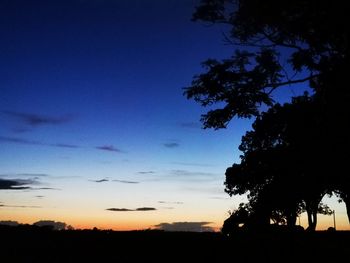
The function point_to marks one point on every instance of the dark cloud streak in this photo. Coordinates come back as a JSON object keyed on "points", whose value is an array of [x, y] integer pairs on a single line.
{"points": [[145, 209], [187, 173], [109, 148], [190, 125], [171, 144], [35, 175], [140, 209], [193, 164], [15, 184], [64, 145], [146, 172], [33, 142], [125, 182], [21, 206], [167, 202], [100, 180], [37, 119]]}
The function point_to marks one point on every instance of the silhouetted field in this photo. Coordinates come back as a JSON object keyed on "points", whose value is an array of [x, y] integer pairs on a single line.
{"points": [[43, 245]]}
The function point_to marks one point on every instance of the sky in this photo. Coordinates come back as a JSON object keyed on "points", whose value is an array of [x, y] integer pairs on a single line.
{"points": [[95, 130]]}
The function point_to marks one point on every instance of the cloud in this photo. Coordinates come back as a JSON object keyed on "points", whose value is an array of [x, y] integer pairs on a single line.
{"points": [[167, 202], [21, 206], [171, 144], [190, 125], [45, 188], [6, 139], [35, 175], [15, 184], [119, 209], [146, 172], [125, 182], [64, 145], [37, 119], [186, 173], [109, 148], [20, 130], [100, 180], [193, 164], [140, 209], [145, 209], [22, 184], [186, 226], [19, 140], [33, 142]]}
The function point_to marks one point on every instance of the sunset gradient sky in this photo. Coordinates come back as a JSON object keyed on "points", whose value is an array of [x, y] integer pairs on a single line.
{"points": [[93, 116]]}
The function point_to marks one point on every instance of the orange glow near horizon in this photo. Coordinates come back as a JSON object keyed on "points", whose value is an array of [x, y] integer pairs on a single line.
{"points": [[127, 223]]}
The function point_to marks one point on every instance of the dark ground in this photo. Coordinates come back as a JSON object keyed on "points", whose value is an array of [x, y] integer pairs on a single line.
{"points": [[42, 245]]}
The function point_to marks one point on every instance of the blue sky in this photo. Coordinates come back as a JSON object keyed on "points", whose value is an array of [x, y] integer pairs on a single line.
{"points": [[92, 107]]}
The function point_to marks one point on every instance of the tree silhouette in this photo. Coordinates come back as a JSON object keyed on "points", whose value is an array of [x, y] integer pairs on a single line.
{"points": [[278, 44], [282, 163], [274, 41]]}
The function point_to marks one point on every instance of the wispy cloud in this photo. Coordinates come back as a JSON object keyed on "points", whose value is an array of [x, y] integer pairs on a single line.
{"points": [[35, 175], [31, 119], [19, 140], [34, 142], [115, 180], [186, 226], [140, 209], [171, 144], [187, 176], [187, 173], [64, 145], [169, 202], [193, 164], [100, 180], [146, 172], [125, 181], [21, 206], [16, 140], [190, 125], [20, 130], [109, 148], [46, 188]]}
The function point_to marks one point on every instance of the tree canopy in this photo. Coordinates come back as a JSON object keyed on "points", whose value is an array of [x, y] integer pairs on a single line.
{"points": [[276, 44], [295, 151], [281, 165]]}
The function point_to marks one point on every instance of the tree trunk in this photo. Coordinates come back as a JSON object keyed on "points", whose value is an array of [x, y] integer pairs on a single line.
{"points": [[291, 219], [311, 209]]}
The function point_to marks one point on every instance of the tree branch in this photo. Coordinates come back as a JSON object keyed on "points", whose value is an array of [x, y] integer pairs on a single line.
{"points": [[280, 43], [289, 82]]}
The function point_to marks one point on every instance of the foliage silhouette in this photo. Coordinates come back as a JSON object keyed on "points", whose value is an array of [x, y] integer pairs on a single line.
{"points": [[296, 155], [282, 167], [274, 40]]}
